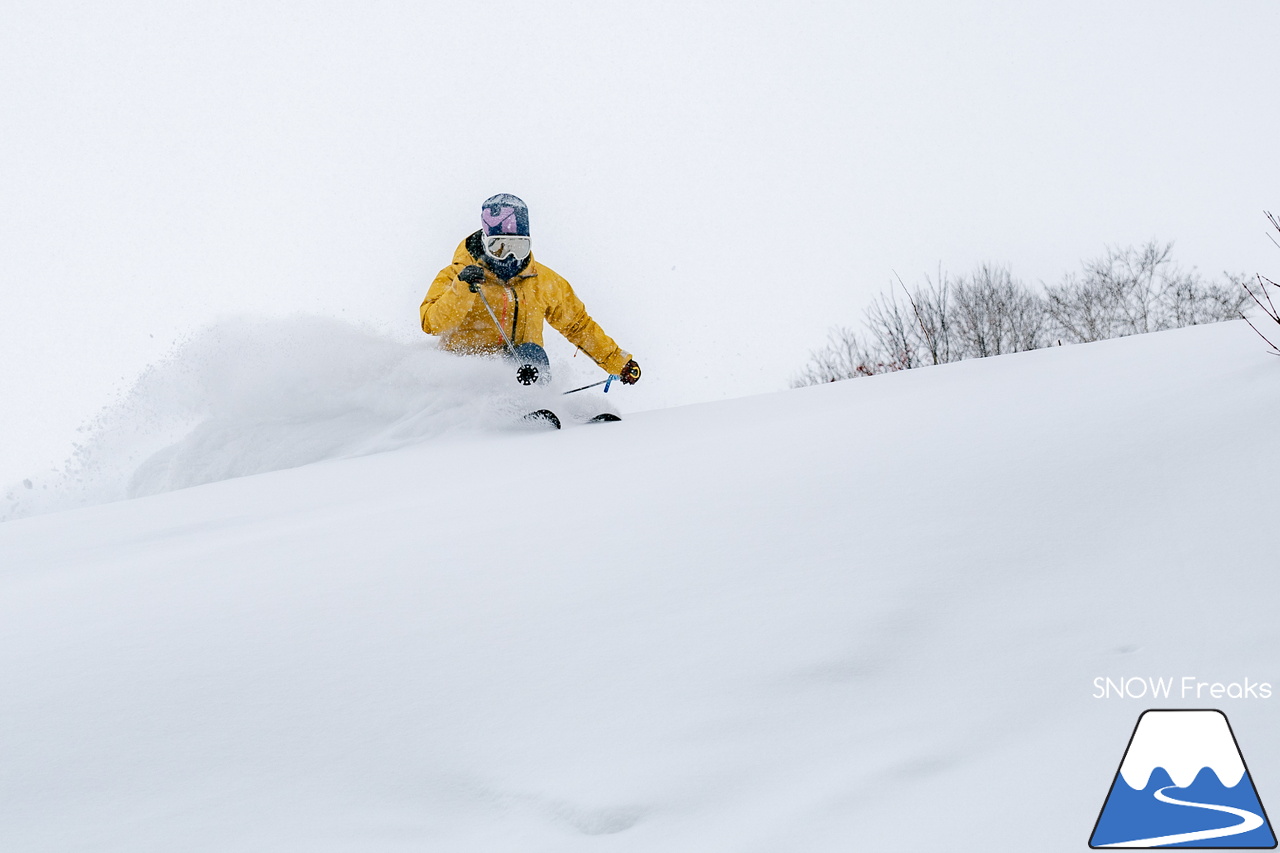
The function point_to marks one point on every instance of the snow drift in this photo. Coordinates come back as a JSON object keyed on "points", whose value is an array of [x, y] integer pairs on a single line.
{"points": [[866, 615]]}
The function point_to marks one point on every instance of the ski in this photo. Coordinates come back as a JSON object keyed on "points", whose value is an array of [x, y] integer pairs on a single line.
{"points": [[543, 417], [546, 417]]}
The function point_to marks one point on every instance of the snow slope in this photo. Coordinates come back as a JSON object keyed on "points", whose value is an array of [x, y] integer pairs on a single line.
{"points": [[861, 616]]}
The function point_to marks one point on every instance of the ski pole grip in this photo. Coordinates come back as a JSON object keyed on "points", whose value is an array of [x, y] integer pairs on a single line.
{"points": [[609, 382]]}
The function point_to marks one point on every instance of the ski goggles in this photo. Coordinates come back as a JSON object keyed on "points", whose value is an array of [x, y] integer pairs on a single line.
{"points": [[507, 246]]}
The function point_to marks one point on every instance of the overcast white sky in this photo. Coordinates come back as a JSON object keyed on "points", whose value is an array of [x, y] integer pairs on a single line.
{"points": [[721, 182]]}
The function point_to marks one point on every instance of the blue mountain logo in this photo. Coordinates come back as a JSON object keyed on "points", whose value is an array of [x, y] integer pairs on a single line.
{"points": [[1183, 783]]}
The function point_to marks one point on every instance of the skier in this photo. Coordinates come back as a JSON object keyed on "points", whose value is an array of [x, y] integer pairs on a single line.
{"points": [[494, 297]]}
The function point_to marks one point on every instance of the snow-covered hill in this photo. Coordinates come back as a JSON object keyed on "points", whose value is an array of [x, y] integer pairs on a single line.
{"points": [[862, 616]]}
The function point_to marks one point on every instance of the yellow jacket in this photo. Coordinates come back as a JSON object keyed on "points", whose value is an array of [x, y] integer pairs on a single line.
{"points": [[457, 315]]}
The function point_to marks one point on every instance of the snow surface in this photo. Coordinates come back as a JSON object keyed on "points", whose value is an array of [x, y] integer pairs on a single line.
{"points": [[859, 616]]}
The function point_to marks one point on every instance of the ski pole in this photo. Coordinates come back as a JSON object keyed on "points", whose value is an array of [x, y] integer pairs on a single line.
{"points": [[526, 374], [494, 317], [606, 381]]}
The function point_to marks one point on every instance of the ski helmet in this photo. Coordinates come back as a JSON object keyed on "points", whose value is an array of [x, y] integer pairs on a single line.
{"points": [[504, 230], [504, 214]]}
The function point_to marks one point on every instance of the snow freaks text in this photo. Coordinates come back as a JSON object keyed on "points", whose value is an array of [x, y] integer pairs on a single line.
{"points": [[1186, 687]]}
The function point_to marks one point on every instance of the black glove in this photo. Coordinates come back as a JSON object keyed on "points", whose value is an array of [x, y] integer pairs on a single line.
{"points": [[630, 374], [472, 275]]}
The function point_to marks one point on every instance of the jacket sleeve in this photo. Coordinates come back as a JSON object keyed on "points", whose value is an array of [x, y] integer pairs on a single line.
{"points": [[447, 302], [568, 316]]}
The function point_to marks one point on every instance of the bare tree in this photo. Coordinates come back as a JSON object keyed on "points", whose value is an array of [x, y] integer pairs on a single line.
{"points": [[893, 331], [900, 335], [1263, 297], [931, 307], [1125, 292], [844, 356], [1131, 291], [995, 314], [1190, 301], [915, 333]]}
